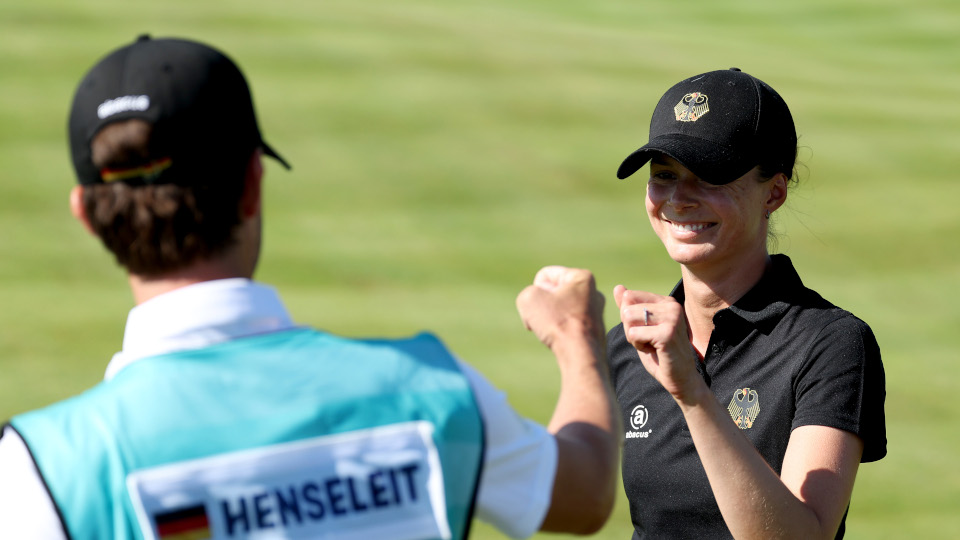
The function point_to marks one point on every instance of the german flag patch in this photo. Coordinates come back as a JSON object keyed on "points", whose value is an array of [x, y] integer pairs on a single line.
{"points": [[188, 523]]}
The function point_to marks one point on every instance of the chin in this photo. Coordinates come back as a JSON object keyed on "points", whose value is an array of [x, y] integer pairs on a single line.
{"points": [[689, 255]]}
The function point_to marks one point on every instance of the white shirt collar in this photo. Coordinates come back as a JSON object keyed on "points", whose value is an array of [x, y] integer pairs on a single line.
{"points": [[197, 316]]}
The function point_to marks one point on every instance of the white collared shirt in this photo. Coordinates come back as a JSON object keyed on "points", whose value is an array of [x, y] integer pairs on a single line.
{"points": [[519, 460]]}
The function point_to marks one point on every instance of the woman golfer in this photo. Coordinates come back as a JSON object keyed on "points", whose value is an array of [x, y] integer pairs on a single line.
{"points": [[749, 400]]}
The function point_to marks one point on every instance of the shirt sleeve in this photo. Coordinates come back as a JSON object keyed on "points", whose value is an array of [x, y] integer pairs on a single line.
{"points": [[842, 385], [26, 510], [520, 461]]}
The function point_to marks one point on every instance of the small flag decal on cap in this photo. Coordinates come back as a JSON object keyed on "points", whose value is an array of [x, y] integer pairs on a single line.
{"points": [[188, 523], [692, 107]]}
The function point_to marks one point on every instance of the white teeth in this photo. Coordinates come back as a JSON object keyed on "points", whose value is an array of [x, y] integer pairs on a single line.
{"points": [[690, 227]]}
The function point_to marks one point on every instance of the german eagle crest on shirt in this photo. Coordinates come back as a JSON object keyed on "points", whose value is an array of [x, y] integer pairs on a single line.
{"points": [[744, 407]]}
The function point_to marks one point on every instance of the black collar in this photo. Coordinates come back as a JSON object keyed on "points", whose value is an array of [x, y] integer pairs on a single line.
{"points": [[766, 303]]}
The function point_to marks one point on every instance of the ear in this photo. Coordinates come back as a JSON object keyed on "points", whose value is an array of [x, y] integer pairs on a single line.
{"points": [[250, 202], [777, 194], [78, 210]]}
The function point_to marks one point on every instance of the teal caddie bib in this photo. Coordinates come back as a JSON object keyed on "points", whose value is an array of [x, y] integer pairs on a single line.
{"points": [[294, 434]]}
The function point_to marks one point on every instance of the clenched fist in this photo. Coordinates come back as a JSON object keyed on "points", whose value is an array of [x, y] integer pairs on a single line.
{"points": [[562, 303]]}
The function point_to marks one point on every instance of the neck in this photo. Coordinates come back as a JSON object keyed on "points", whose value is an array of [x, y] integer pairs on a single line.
{"points": [[146, 287], [708, 290]]}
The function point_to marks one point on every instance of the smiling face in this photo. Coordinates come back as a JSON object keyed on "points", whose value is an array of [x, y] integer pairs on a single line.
{"points": [[707, 226]]}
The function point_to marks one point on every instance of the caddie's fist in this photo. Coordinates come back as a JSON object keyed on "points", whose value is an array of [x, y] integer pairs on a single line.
{"points": [[562, 302]]}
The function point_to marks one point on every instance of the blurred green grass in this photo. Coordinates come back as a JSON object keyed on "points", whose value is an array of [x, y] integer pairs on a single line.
{"points": [[444, 151]]}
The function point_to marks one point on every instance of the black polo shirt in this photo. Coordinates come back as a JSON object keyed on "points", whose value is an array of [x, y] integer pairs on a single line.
{"points": [[779, 358]]}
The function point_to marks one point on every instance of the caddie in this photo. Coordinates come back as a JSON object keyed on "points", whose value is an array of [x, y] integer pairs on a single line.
{"points": [[220, 417]]}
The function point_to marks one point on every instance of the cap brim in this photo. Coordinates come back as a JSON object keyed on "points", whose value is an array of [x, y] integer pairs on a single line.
{"points": [[712, 163], [635, 161], [267, 150]]}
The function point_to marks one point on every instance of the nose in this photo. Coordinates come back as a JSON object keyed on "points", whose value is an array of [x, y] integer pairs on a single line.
{"points": [[683, 195]]}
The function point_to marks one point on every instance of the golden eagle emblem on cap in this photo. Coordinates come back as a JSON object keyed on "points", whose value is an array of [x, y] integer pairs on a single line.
{"points": [[692, 107], [744, 407]]}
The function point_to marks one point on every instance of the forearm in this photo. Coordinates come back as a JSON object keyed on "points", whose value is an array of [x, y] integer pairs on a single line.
{"points": [[565, 310], [585, 392], [587, 430], [753, 500]]}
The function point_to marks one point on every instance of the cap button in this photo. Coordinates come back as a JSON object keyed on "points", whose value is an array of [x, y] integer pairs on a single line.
{"points": [[143, 37], [734, 69]]}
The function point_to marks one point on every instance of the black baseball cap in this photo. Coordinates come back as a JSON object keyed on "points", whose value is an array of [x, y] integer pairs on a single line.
{"points": [[720, 125], [194, 97]]}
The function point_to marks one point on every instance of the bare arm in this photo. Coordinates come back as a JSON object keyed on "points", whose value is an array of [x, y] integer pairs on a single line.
{"points": [[811, 494], [565, 311], [807, 500]]}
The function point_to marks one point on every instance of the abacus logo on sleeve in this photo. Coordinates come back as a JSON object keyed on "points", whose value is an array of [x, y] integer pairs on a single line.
{"points": [[354, 486], [638, 418]]}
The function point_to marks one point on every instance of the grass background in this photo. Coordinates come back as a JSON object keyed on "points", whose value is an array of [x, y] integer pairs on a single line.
{"points": [[444, 151]]}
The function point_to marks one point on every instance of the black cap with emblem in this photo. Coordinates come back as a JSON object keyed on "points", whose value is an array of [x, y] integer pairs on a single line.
{"points": [[720, 125], [196, 100]]}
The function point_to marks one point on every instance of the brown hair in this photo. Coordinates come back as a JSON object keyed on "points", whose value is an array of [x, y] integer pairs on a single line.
{"points": [[767, 170], [154, 229]]}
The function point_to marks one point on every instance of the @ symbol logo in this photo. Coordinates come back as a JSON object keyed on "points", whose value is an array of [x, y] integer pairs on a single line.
{"points": [[639, 417]]}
